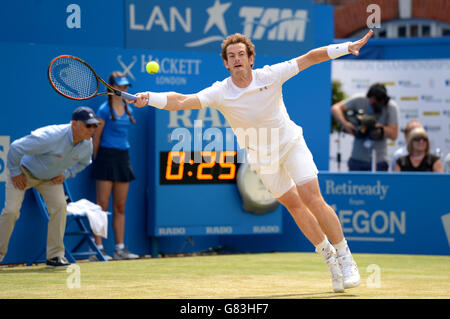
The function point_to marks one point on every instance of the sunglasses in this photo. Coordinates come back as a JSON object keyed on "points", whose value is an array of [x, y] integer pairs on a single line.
{"points": [[417, 139], [90, 125]]}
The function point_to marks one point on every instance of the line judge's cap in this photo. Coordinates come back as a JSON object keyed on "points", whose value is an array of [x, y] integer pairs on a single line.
{"points": [[85, 114]]}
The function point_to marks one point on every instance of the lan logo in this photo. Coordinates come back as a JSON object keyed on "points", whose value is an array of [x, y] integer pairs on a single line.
{"points": [[276, 24]]}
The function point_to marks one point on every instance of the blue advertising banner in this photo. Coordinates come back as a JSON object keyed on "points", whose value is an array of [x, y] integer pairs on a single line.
{"points": [[82, 22], [274, 26], [391, 213], [187, 47]]}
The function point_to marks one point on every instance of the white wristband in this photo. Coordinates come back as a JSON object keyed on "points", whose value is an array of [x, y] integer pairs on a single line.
{"points": [[158, 100], [337, 50]]}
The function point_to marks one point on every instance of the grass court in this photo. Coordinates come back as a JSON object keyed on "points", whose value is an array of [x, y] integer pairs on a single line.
{"points": [[235, 276]]}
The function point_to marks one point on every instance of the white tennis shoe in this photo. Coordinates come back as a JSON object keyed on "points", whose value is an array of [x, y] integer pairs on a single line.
{"points": [[349, 271], [336, 273]]}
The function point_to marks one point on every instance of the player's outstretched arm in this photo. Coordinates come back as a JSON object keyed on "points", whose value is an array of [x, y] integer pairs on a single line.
{"points": [[332, 51], [354, 47], [170, 101]]}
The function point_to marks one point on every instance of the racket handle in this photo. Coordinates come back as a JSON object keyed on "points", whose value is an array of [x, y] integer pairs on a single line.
{"points": [[128, 96]]}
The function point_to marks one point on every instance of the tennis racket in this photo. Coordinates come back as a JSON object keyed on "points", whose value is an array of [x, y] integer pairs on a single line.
{"points": [[75, 79]]}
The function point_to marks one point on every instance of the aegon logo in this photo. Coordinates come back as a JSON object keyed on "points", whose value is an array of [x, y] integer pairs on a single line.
{"points": [[371, 226], [259, 22], [379, 222]]}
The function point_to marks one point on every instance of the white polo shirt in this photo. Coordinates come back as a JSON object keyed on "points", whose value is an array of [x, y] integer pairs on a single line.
{"points": [[257, 113]]}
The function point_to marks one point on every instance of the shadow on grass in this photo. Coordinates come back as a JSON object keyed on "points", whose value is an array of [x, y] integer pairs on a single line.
{"points": [[316, 295], [29, 270]]}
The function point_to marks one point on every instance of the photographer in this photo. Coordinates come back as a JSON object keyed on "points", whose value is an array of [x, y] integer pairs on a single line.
{"points": [[372, 119]]}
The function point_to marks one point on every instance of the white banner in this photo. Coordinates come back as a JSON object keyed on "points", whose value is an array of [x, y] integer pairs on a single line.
{"points": [[421, 89]]}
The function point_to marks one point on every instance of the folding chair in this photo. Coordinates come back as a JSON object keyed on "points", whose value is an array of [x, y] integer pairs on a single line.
{"points": [[77, 226]]}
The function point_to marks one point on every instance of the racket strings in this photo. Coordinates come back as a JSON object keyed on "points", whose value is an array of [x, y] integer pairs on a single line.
{"points": [[73, 78]]}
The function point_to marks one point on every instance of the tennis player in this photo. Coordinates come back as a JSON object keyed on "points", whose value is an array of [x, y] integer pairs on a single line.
{"points": [[252, 100]]}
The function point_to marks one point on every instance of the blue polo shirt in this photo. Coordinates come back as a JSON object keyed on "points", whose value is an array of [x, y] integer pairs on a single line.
{"points": [[115, 133], [48, 152]]}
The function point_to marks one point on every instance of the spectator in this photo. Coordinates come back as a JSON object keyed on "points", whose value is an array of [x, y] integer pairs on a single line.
{"points": [[419, 158], [372, 119], [43, 160], [112, 169], [402, 151]]}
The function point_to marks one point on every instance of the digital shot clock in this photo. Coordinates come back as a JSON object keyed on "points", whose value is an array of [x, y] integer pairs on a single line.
{"points": [[204, 167]]}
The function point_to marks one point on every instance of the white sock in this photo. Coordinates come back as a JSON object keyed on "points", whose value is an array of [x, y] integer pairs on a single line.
{"points": [[342, 248], [120, 246], [325, 249], [100, 247]]}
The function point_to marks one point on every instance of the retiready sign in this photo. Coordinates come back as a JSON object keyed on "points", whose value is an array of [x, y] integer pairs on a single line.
{"points": [[276, 27], [387, 213]]}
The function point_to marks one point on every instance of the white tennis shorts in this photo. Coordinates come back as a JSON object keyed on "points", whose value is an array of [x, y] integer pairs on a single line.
{"points": [[296, 167]]}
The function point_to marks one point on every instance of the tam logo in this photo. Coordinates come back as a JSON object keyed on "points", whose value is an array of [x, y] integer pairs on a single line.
{"points": [[280, 24], [256, 22]]}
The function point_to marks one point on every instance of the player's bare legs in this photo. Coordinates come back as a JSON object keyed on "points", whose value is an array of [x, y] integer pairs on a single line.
{"points": [[329, 222], [325, 215], [311, 228], [306, 221]]}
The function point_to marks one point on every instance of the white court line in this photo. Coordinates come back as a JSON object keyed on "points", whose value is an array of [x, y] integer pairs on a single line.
{"points": [[381, 239]]}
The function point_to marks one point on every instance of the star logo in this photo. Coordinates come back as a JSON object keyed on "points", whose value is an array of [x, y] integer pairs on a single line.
{"points": [[216, 18], [216, 13]]}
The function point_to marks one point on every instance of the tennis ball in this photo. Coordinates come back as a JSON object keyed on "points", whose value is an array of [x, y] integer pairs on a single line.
{"points": [[152, 67]]}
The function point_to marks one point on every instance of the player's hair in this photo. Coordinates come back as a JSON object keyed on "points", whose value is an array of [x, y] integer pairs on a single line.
{"points": [[415, 133], [237, 38], [111, 81]]}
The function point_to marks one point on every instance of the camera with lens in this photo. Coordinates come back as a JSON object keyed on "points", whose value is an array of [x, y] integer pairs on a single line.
{"points": [[365, 125]]}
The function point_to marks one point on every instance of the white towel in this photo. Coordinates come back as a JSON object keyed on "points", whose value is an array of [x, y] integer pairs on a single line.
{"points": [[98, 219]]}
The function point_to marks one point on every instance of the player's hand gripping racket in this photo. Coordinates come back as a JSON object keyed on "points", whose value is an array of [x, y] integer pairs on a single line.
{"points": [[75, 79]]}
